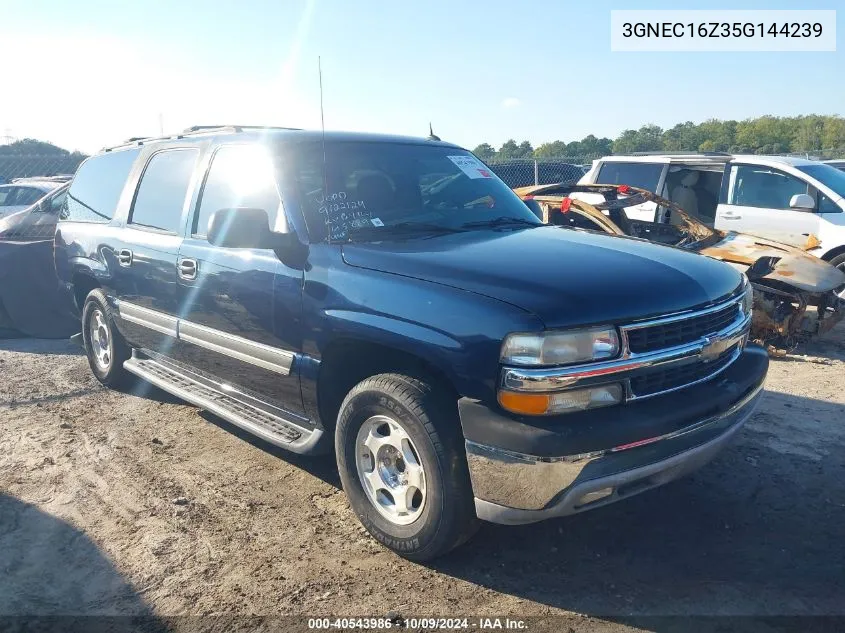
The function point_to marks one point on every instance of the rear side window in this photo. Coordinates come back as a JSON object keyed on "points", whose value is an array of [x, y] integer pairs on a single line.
{"points": [[97, 186], [164, 186], [642, 175], [762, 187], [5, 194], [240, 176]]}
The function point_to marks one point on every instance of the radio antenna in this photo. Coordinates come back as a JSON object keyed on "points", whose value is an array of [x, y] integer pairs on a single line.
{"points": [[320, 75], [322, 123], [323, 141]]}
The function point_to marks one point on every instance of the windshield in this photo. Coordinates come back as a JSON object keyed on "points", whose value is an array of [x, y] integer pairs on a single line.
{"points": [[827, 175], [377, 189]]}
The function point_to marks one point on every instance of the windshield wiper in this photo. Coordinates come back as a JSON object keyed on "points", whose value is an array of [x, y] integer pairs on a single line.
{"points": [[500, 221], [402, 228]]}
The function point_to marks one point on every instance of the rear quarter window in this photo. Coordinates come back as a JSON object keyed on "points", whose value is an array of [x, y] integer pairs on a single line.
{"points": [[163, 189], [96, 188], [642, 175]]}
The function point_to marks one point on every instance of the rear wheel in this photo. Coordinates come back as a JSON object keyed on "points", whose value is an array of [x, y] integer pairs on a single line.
{"points": [[402, 462], [104, 345]]}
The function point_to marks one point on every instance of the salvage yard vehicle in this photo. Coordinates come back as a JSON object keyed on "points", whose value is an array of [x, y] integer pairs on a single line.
{"points": [[23, 192], [36, 222], [786, 280], [780, 198], [391, 300], [30, 299]]}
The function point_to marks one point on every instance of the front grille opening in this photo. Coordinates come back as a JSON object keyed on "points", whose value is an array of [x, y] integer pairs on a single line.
{"points": [[662, 336], [664, 380]]}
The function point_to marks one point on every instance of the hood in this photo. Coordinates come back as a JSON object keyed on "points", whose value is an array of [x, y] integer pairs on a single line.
{"points": [[786, 264], [564, 276]]}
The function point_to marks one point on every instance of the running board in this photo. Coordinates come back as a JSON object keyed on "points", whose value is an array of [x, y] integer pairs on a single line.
{"points": [[269, 427]]}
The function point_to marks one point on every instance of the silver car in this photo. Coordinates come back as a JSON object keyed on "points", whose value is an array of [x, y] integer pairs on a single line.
{"points": [[24, 192]]}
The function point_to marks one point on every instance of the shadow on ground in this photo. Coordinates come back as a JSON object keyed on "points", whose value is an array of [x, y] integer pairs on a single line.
{"points": [[41, 346], [54, 577], [323, 467]]}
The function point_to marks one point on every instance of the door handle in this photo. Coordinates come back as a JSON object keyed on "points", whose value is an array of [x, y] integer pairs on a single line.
{"points": [[124, 257], [188, 268], [731, 216]]}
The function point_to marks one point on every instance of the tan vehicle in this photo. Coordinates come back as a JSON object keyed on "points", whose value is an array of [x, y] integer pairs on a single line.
{"points": [[786, 279]]}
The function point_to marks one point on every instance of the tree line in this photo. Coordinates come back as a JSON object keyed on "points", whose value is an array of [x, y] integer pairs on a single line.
{"points": [[34, 147], [811, 133]]}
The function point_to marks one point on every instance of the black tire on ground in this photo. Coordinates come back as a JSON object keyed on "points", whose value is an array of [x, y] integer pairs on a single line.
{"points": [[112, 375], [430, 419], [839, 262]]}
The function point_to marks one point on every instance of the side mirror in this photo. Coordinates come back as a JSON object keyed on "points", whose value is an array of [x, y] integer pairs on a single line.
{"points": [[242, 227], [802, 202]]}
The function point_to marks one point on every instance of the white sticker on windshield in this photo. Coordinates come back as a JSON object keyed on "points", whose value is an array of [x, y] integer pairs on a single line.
{"points": [[376, 222], [471, 166]]}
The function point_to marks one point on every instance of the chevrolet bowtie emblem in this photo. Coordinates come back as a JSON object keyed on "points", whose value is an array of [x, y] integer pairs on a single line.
{"points": [[712, 348]]}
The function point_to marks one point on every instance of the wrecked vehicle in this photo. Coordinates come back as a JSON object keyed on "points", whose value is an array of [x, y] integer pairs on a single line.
{"points": [[786, 279]]}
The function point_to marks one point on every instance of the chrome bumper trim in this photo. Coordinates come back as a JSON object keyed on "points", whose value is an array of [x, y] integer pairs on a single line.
{"points": [[553, 486]]}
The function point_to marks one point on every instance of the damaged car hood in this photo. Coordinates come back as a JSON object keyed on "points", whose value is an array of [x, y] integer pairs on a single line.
{"points": [[783, 263]]}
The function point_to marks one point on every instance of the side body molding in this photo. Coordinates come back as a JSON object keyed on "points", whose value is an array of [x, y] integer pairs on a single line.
{"points": [[258, 354]]}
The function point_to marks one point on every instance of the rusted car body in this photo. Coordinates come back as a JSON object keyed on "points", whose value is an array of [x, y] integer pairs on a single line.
{"points": [[786, 279]]}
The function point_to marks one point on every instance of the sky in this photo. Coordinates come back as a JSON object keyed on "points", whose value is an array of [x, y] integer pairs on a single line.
{"points": [[90, 73]]}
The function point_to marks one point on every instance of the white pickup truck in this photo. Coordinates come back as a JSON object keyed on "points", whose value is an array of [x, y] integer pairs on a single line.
{"points": [[791, 200]]}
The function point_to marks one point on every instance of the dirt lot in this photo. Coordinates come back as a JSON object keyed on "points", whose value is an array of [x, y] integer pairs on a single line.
{"points": [[134, 503]]}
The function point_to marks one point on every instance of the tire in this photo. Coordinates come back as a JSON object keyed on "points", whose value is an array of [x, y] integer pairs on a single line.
{"points": [[104, 345], [386, 410], [839, 262]]}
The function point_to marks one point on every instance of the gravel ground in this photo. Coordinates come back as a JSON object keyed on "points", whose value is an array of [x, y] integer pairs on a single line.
{"points": [[132, 503]]}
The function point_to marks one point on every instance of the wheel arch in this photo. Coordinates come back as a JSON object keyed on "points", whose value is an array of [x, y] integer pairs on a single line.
{"points": [[83, 283], [347, 361], [833, 253]]}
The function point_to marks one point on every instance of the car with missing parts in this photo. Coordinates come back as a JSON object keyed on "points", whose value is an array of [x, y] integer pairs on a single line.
{"points": [[391, 300], [787, 280]]}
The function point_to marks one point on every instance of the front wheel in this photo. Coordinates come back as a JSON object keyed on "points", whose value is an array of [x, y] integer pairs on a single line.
{"points": [[105, 347], [402, 462]]}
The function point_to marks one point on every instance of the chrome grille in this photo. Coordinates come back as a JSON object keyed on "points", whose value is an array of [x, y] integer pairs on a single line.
{"points": [[669, 379], [658, 356], [650, 338]]}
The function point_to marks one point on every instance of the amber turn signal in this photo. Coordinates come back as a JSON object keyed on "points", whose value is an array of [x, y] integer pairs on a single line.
{"points": [[526, 403]]}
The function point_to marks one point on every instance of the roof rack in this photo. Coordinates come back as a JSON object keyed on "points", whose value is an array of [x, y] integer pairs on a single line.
{"points": [[54, 178], [193, 131], [680, 154], [233, 128]]}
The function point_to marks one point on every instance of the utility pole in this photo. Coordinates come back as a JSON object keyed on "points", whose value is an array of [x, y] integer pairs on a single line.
{"points": [[160, 124]]}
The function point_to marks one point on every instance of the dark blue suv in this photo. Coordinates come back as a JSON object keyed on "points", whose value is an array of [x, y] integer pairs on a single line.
{"points": [[391, 300]]}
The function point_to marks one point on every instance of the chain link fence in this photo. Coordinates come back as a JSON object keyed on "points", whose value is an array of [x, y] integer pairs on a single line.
{"points": [[523, 172], [27, 165]]}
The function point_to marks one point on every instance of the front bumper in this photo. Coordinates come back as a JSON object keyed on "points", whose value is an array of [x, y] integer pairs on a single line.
{"points": [[526, 469]]}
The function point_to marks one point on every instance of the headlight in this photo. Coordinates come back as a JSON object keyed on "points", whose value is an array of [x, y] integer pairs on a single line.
{"points": [[748, 298], [560, 348]]}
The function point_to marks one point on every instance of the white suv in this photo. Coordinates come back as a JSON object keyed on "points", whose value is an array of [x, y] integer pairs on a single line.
{"points": [[784, 199]]}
